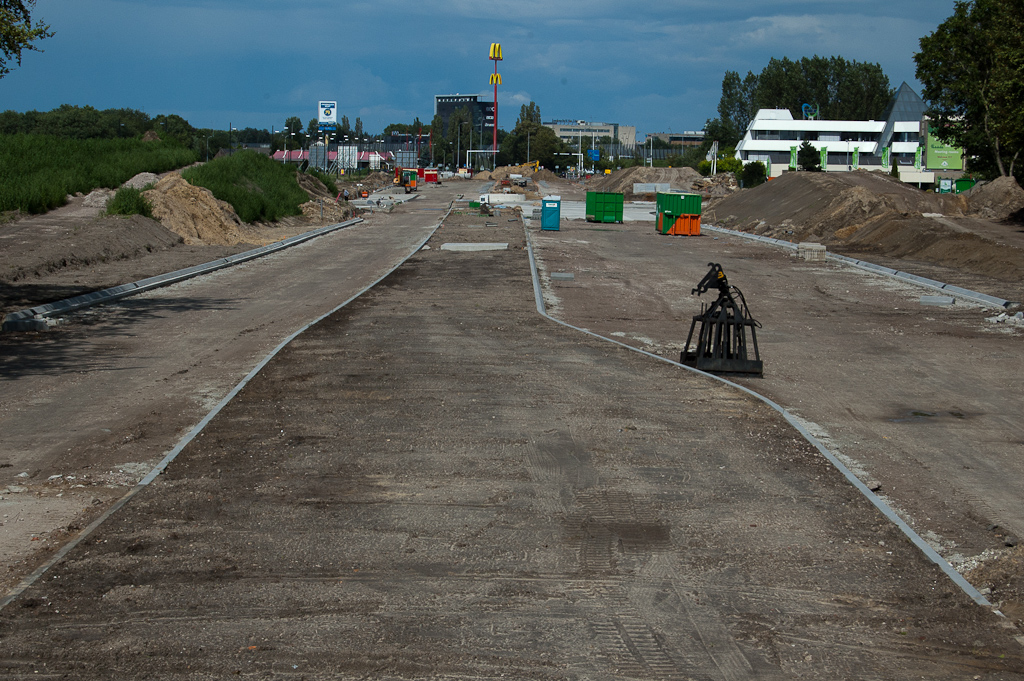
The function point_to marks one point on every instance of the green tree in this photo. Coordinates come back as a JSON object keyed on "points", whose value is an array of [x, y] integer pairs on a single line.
{"points": [[808, 157], [753, 174], [839, 89], [17, 32], [532, 141], [529, 113], [972, 68], [175, 127], [358, 130]]}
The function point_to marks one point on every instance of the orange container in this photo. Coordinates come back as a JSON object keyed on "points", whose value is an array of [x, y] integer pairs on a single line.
{"points": [[685, 225]]}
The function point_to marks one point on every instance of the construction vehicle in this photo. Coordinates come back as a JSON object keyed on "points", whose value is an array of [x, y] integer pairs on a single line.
{"points": [[406, 178], [722, 335]]}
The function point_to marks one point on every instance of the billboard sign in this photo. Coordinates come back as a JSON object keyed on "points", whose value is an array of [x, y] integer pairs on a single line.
{"points": [[941, 156], [328, 112]]}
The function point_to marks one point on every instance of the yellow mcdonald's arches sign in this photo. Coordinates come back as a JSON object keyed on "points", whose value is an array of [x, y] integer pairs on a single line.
{"points": [[496, 51], [495, 79]]}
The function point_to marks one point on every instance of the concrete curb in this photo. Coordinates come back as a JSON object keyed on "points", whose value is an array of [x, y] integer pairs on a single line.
{"points": [[34, 319], [884, 508], [198, 428], [974, 296]]}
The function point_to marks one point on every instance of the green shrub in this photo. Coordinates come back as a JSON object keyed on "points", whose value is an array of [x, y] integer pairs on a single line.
{"points": [[255, 186], [753, 174], [37, 172], [130, 201]]}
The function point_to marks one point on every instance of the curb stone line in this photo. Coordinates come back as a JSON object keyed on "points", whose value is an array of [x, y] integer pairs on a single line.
{"points": [[974, 296], [64, 550], [875, 500], [29, 320]]}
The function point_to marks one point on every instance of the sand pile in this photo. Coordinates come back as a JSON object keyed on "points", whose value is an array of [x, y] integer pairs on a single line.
{"points": [[545, 175], [141, 180], [870, 213], [622, 181], [719, 185], [483, 175], [313, 186], [996, 200], [326, 211], [194, 213], [98, 198]]}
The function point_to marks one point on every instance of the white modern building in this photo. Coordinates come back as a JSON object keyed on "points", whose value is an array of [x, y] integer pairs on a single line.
{"points": [[570, 130], [899, 138]]}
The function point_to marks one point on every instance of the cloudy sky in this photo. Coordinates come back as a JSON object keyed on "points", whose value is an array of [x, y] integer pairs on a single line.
{"points": [[655, 64]]}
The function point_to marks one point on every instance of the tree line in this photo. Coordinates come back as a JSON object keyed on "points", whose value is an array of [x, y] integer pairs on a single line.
{"points": [[834, 87], [972, 69]]}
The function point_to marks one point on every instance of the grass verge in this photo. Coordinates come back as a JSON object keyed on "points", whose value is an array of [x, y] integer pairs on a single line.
{"points": [[257, 187], [37, 172]]}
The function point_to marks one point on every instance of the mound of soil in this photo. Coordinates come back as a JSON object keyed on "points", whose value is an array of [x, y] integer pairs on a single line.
{"points": [[194, 213], [874, 214], [371, 183], [545, 175], [142, 180], [622, 181], [484, 175], [999, 199], [313, 186]]}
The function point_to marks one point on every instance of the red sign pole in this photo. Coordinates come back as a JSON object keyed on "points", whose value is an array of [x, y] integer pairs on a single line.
{"points": [[496, 80]]}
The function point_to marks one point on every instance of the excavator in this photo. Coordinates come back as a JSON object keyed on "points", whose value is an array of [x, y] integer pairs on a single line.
{"points": [[722, 334]]}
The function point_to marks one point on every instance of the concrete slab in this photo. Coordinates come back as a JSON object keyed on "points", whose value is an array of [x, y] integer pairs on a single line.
{"points": [[471, 247], [938, 301]]}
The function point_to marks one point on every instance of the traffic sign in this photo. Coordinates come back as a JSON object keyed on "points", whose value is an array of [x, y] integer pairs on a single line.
{"points": [[593, 154]]}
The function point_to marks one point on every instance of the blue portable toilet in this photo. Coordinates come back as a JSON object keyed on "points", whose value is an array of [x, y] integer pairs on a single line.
{"points": [[551, 213]]}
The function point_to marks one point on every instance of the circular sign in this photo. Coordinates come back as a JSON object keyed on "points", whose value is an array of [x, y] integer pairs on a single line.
{"points": [[327, 111]]}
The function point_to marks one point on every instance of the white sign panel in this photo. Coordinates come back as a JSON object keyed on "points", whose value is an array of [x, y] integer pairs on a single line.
{"points": [[328, 112], [348, 157]]}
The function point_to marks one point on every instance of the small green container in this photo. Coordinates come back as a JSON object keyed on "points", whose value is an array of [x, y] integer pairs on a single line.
{"points": [[964, 184], [604, 207], [678, 204]]}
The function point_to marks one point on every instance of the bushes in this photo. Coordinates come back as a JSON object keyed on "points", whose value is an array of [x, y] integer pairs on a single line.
{"points": [[129, 201], [753, 174], [729, 164], [256, 186], [37, 172]]}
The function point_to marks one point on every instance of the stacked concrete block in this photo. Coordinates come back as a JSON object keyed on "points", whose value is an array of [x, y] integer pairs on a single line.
{"points": [[811, 252]]}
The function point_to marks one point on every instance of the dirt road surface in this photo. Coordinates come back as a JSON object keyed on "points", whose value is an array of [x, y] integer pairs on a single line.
{"points": [[436, 482], [88, 408], [924, 401]]}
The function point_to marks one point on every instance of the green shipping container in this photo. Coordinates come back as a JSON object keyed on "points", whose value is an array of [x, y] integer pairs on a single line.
{"points": [[678, 204], [604, 207], [964, 184]]}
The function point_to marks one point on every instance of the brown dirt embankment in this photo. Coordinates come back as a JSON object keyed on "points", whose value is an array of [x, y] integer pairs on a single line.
{"points": [[872, 214], [622, 181]]}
